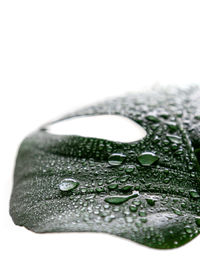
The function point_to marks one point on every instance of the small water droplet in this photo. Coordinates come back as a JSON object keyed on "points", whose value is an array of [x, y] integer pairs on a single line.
{"points": [[197, 117], [143, 220], [130, 169], [83, 190], [174, 139], [188, 229], [99, 189], [123, 179], [152, 117], [150, 201], [116, 159], [142, 213], [133, 208], [111, 180], [129, 219], [137, 202], [194, 194], [177, 212], [112, 186], [68, 184], [172, 126], [147, 158], [198, 222], [126, 188]]}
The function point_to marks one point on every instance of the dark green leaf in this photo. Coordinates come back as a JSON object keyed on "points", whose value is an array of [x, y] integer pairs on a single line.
{"points": [[73, 183]]}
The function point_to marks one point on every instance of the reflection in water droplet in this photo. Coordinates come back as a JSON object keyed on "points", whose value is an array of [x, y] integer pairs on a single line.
{"points": [[116, 159], [68, 184], [147, 158]]}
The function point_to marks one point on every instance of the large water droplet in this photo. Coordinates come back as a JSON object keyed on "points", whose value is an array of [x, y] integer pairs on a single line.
{"points": [[118, 199], [147, 158], [116, 159], [68, 184]]}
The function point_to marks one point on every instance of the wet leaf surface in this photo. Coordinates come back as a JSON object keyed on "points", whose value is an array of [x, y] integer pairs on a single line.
{"points": [[147, 191]]}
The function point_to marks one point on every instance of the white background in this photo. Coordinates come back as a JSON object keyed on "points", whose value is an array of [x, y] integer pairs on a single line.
{"points": [[56, 56]]}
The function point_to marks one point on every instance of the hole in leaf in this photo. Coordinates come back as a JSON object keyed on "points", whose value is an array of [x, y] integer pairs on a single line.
{"points": [[111, 127]]}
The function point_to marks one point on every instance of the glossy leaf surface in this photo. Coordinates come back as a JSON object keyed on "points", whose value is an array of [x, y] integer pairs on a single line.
{"points": [[147, 191]]}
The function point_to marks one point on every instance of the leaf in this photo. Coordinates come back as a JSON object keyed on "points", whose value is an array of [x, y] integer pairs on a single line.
{"points": [[66, 183]]}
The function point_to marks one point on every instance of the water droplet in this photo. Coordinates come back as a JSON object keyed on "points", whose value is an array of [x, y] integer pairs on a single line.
{"points": [[142, 213], [166, 180], [124, 179], [68, 184], [109, 218], [194, 194], [143, 220], [188, 229], [198, 222], [116, 200], [133, 208], [147, 158], [138, 224], [135, 194], [99, 189], [152, 118], [197, 117], [137, 202], [112, 186], [150, 201], [177, 212], [172, 126], [174, 139], [129, 219], [126, 188], [111, 180], [83, 190], [116, 159], [130, 169]]}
